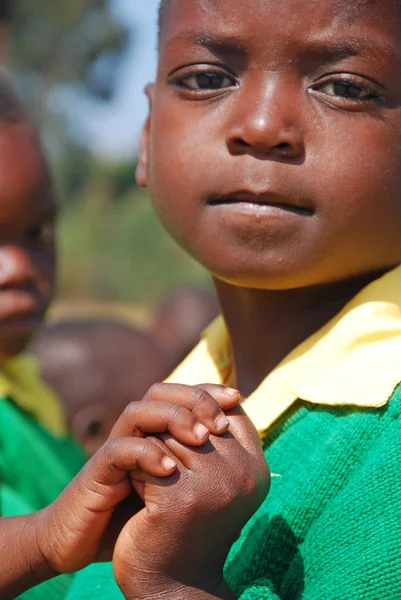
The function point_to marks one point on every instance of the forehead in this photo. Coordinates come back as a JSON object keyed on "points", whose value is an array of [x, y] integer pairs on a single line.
{"points": [[281, 20], [24, 176]]}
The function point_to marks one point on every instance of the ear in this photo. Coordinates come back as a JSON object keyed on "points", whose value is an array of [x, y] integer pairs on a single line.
{"points": [[142, 168]]}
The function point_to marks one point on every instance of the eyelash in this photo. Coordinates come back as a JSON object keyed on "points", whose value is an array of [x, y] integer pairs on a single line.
{"points": [[347, 80], [179, 82]]}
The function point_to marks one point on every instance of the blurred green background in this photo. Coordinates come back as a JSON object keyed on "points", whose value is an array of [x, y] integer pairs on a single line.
{"points": [[112, 250]]}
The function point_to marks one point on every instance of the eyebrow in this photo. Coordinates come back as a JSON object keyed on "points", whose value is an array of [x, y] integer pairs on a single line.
{"points": [[212, 42], [223, 43], [352, 47]]}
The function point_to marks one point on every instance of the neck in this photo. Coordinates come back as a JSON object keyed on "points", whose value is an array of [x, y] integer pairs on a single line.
{"points": [[264, 326]]}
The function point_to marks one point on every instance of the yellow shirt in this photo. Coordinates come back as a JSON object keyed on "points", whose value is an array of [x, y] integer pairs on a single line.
{"points": [[355, 359], [20, 380]]}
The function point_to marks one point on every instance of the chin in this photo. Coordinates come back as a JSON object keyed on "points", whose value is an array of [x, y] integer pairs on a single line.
{"points": [[272, 279], [10, 348]]}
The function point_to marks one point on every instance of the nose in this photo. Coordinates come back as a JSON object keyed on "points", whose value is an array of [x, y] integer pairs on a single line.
{"points": [[266, 120], [16, 267]]}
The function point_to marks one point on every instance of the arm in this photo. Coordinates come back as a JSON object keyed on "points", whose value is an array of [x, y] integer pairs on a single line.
{"points": [[22, 564], [176, 547], [84, 521]]}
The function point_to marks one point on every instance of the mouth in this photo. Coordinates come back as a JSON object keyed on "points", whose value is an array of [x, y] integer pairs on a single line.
{"points": [[19, 313], [259, 201]]}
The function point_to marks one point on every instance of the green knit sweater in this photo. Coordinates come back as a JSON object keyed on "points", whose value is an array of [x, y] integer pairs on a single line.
{"points": [[330, 528]]}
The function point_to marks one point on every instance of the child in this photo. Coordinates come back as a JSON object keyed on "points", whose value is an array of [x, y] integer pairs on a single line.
{"points": [[181, 317], [37, 460], [97, 367], [30, 415], [273, 155]]}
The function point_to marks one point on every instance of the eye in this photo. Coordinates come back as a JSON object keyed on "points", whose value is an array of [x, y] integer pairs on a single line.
{"points": [[205, 81], [41, 232], [349, 89]]}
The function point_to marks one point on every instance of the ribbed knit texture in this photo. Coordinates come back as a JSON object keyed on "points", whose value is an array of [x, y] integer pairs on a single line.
{"points": [[330, 528]]}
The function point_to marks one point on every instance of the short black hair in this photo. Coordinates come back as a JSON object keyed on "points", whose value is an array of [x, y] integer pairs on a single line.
{"points": [[162, 15]]}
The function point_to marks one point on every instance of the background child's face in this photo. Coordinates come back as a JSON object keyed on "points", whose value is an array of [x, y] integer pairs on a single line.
{"points": [[273, 150], [27, 213]]}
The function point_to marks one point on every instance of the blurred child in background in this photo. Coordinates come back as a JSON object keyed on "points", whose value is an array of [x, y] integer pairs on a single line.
{"points": [[97, 367], [31, 416], [181, 317]]}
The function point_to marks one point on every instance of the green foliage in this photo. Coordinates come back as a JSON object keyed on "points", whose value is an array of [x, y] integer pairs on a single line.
{"points": [[119, 251], [111, 245], [60, 42]]}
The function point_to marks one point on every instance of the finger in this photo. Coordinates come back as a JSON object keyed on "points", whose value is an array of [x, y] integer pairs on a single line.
{"points": [[241, 431], [207, 416], [152, 416], [226, 397], [104, 477], [203, 401], [242, 428], [139, 476]]}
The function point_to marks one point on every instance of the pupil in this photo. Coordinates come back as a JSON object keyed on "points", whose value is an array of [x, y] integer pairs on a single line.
{"points": [[209, 81], [347, 90]]}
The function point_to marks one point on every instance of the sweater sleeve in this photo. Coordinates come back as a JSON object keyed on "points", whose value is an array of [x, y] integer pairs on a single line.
{"points": [[353, 549]]}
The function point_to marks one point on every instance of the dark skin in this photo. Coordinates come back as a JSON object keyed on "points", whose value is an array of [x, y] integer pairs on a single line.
{"points": [[304, 208], [272, 153], [30, 551], [84, 522], [27, 254]]}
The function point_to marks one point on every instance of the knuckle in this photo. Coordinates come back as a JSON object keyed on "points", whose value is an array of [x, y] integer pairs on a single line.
{"points": [[177, 412], [147, 447], [111, 450], [250, 484], [130, 411], [229, 493], [200, 395], [155, 391]]}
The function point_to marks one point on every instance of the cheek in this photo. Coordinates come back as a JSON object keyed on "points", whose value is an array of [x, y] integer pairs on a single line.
{"points": [[179, 166], [179, 150], [359, 174]]}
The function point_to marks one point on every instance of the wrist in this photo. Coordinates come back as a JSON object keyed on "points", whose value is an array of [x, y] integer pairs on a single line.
{"points": [[23, 564], [40, 563]]}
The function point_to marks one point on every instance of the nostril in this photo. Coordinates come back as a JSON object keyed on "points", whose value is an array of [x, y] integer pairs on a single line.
{"points": [[241, 143], [284, 146]]}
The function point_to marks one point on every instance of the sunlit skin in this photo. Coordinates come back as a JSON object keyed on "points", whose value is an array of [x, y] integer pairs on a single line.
{"points": [[273, 154], [27, 255]]}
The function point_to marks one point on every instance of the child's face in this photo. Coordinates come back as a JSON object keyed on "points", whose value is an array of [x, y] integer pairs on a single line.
{"points": [[273, 149], [27, 213]]}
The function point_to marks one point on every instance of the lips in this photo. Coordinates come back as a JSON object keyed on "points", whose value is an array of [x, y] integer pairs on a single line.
{"points": [[17, 306], [262, 199]]}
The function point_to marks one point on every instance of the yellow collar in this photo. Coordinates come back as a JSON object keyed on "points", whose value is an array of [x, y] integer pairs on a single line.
{"points": [[355, 359], [20, 380]]}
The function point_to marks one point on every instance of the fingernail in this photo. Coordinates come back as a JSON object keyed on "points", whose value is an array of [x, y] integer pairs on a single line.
{"points": [[232, 392], [168, 463], [222, 423], [201, 431]]}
